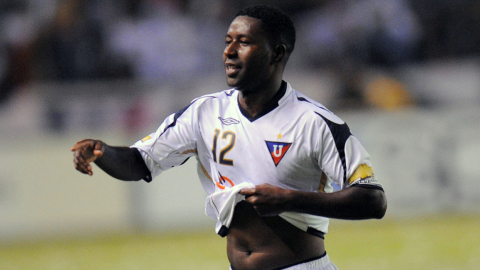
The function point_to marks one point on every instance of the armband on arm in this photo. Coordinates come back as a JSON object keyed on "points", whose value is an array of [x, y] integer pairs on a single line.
{"points": [[364, 177]]}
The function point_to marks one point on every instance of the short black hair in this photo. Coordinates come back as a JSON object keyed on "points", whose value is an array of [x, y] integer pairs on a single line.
{"points": [[276, 23]]}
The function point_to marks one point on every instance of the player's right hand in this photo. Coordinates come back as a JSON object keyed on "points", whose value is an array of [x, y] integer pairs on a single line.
{"points": [[85, 152]]}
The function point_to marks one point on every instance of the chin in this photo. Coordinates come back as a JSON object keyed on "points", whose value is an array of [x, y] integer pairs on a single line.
{"points": [[238, 85], [232, 83]]}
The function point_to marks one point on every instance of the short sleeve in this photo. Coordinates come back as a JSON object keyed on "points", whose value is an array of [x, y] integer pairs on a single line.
{"points": [[172, 144], [342, 157]]}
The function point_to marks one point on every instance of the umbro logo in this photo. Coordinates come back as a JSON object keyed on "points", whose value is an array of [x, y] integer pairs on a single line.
{"points": [[228, 121]]}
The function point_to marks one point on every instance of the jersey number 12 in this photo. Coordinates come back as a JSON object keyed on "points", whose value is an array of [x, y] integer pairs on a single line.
{"points": [[226, 135]]}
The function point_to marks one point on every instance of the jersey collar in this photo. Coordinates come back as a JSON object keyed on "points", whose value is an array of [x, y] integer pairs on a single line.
{"points": [[270, 105]]}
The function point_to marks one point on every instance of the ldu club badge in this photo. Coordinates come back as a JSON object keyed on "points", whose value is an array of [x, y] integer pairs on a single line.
{"points": [[278, 150]]}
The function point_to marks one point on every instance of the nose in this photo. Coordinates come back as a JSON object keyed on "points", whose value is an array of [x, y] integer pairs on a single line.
{"points": [[230, 50]]}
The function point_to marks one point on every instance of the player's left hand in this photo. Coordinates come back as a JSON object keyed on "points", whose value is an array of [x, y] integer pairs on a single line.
{"points": [[266, 199], [85, 152]]}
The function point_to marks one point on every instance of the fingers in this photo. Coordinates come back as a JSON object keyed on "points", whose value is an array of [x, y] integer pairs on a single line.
{"points": [[81, 164], [83, 144], [261, 208], [85, 152], [98, 148], [247, 191], [259, 190], [252, 196], [264, 199], [97, 153]]}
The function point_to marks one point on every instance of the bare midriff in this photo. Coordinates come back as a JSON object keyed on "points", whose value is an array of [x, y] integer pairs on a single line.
{"points": [[263, 243]]}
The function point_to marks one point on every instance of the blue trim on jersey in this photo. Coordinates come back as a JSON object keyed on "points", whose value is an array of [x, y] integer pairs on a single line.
{"points": [[180, 112], [340, 135], [306, 100], [229, 93], [175, 117], [316, 232], [268, 107]]}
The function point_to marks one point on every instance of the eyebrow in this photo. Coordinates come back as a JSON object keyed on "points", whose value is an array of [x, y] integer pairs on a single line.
{"points": [[239, 36]]}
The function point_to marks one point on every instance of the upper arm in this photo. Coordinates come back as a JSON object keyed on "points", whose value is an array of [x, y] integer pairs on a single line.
{"points": [[342, 157], [173, 142]]}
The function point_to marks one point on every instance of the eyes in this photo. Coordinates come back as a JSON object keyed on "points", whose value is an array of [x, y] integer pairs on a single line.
{"points": [[242, 41]]}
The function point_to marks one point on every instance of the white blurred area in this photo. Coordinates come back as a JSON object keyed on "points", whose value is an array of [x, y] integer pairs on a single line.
{"points": [[415, 109]]}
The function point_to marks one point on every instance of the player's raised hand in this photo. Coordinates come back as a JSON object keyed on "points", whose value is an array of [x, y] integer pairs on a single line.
{"points": [[85, 152], [266, 199]]}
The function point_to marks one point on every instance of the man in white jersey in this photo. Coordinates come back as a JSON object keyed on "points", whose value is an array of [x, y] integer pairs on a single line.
{"points": [[267, 155]]}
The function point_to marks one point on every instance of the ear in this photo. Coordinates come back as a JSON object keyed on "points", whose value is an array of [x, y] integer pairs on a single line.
{"points": [[280, 52]]}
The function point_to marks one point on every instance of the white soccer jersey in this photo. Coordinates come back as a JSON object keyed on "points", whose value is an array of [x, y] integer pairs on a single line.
{"points": [[294, 143]]}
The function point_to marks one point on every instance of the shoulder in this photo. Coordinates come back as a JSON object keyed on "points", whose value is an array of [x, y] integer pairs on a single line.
{"points": [[333, 129], [206, 101], [314, 109], [225, 95]]}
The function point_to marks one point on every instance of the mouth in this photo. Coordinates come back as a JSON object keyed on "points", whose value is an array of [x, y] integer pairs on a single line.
{"points": [[231, 69]]}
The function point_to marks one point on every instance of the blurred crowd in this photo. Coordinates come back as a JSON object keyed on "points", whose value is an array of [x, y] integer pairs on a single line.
{"points": [[162, 40]]}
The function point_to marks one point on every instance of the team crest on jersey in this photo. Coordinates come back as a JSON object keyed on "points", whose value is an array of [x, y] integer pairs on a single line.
{"points": [[228, 121], [277, 150]]}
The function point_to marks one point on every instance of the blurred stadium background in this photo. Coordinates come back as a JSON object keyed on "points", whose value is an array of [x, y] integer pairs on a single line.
{"points": [[404, 74]]}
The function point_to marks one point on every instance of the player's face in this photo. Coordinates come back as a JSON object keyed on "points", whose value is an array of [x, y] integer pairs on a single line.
{"points": [[248, 55]]}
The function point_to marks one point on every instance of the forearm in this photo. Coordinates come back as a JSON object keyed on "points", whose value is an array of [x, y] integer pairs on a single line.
{"points": [[351, 203], [123, 163]]}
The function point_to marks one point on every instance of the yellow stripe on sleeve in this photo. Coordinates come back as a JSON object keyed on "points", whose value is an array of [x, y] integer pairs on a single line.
{"points": [[146, 138], [363, 171]]}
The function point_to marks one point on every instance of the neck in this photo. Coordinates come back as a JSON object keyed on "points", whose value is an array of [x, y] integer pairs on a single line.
{"points": [[254, 101]]}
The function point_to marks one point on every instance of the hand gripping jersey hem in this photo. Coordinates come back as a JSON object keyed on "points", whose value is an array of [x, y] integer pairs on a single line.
{"points": [[221, 206]]}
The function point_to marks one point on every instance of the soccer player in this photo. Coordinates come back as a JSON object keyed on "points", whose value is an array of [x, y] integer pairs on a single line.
{"points": [[267, 155]]}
